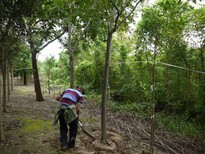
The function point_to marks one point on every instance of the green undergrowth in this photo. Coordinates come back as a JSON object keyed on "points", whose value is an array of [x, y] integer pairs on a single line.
{"points": [[90, 119], [180, 125], [28, 135], [22, 91], [139, 109], [173, 123], [30, 125]]}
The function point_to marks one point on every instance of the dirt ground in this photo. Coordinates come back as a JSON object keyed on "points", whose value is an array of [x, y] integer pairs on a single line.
{"points": [[28, 129]]}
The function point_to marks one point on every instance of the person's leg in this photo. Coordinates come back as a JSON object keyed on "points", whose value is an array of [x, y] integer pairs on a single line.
{"points": [[63, 131], [73, 133]]}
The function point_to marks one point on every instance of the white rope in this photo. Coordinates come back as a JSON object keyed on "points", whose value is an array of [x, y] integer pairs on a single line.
{"points": [[171, 65], [131, 62], [184, 68]]}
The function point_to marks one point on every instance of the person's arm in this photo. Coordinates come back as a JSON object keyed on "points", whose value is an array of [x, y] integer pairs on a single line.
{"points": [[78, 104], [78, 108], [58, 97]]}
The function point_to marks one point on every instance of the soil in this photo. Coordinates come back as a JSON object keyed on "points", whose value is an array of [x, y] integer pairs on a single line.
{"points": [[28, 129]]}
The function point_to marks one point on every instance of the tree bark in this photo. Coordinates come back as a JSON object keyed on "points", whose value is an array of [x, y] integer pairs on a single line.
{"points": [[104, 89], [152, 141], [24, 77], [71, 54], [7, 79], [37, 86], [1, 112], [12, 77], [4, 81]]}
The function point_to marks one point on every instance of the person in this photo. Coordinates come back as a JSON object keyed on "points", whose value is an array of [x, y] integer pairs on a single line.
{"points": [[67, 114]]}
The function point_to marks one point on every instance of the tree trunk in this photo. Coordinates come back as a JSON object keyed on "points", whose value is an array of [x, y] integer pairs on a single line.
{"points": [[49, 88], [7, 79], [71, 54], [4, 88], [24, 78], [1, 112], [37, 86], [202, 75], [72, 68], [153, 99], [12, 77], [4, 81], [104, 89]]}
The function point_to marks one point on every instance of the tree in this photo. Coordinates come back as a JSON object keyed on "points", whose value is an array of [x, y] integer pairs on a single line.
{"points": [[41, 30], [22, 62], [116, 15], [64, 74], [1, 111], [10, 26], [158, 31], [195, 35], [49, 64], [78, 24]]}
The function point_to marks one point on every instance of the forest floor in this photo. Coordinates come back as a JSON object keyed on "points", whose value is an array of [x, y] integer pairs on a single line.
{"points": [[28, 129]]}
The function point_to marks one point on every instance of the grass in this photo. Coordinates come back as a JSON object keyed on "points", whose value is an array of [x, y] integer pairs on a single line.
{"points": [[34, 125], [140, 109], [179, 125], [90, 119], [28, 135]]}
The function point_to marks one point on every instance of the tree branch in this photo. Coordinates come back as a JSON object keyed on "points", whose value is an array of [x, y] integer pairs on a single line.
{"points": [[45, 45], [39, 21], [130, 12], [115, 6], [119, 14], [81, 35]]}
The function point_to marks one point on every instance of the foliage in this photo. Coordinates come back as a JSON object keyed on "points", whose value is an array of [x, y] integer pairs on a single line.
{"points": [[180, 125], [62, 73], [49, 67], [22, 60], [139, 109], [179, 91]]}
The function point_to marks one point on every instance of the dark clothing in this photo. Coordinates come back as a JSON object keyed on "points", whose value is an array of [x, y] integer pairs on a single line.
{"points": [[64, 130], [67, 115]]}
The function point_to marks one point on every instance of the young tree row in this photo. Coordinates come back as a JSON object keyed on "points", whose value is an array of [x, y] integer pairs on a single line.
{"points": [[165, 25]]}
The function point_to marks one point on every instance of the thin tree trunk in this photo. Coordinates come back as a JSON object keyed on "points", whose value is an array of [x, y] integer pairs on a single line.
{"points": [[104, 89], [7, 79], [1, 111], [4, 81], [72, 50], [12, 78], [202, 76], [49, 88], [153, 99], [37, 86], [4, 88], [24, 77], [71, 54]]}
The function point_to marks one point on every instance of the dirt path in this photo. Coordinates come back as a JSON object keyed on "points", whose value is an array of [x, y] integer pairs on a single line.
{"points": [[28, 127], [29, 130]]}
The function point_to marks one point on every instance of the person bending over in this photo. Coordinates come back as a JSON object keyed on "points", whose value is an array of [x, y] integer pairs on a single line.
{"points": [[67, 114]]}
